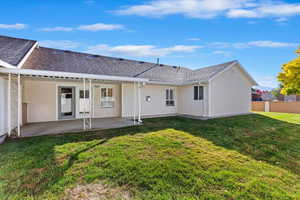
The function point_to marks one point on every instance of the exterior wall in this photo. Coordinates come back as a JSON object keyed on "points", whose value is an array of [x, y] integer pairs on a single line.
{"points": [[3, 106], [188, 106], [230, 93], [157, 105], [41, 98], [107, 112]]}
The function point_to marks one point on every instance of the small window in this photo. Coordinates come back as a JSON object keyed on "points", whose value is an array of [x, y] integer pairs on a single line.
{"points": [[81, 94], [198, 92], [170, 97], [107, 100]]}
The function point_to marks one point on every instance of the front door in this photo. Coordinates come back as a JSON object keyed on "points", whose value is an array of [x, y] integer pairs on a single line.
{"points": [[66, 102]]}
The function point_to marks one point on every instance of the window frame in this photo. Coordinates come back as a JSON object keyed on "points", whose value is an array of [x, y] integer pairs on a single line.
{"points": [[107, 101], [198, 92], [170, 99]]}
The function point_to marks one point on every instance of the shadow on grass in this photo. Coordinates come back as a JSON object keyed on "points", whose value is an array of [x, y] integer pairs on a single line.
{"points": [[260, 137]]}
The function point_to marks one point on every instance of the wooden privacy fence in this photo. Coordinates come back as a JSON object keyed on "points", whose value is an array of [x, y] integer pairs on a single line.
{"points": [[279, 106]]}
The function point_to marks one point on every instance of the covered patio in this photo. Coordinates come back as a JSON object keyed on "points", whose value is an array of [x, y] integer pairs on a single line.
{"points": [[72, 126], [87, 113]]}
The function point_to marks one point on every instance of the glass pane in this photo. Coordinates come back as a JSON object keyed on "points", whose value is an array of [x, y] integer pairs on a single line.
{"points": [[110, 92], [201, 92], [171, 95], [103, 92], [66, 98], [167, 94], [87, 94], [195, 92]]}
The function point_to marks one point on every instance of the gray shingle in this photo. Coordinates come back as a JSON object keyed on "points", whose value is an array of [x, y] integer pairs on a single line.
{"points": [[12, 50], [68, 61]]}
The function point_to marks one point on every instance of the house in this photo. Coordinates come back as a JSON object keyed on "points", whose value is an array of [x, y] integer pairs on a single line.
{"points": [[289, 98], [39, 84]]}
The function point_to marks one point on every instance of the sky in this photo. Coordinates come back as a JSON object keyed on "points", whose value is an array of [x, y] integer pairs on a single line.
{"points": [[261, 34]]}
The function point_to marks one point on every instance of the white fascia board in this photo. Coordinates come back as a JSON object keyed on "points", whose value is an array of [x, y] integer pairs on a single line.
{"points": [[21, 63], [236, 63], [71, 75], [224, 70], [198, 82], [247, 74], [6, 65]]}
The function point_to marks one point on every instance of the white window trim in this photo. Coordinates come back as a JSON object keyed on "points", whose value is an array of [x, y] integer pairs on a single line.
{"points": [[112, 100], [168, 98]]}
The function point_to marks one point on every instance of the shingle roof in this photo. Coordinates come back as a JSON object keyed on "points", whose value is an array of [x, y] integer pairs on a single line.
{"points": [[69, 61], [12, 50]]}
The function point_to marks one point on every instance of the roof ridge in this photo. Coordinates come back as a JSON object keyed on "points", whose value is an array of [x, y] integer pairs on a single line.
{"points": [[15, 38], [225, 63]]}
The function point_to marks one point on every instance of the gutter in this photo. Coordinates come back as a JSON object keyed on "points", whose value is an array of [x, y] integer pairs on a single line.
{"points": [[56, 74]]}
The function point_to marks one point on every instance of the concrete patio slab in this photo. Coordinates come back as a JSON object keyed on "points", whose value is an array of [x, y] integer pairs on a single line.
{"points": [[71, 126]]}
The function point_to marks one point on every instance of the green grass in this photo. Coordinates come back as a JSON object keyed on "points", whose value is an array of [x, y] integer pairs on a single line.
{"points": [[245, 157]]}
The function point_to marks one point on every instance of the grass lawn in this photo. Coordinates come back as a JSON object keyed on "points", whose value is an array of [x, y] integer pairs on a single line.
{"points": [[245, 157]]}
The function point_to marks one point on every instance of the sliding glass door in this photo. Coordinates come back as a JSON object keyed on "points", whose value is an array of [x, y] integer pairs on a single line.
{"points": [[66, 102]]}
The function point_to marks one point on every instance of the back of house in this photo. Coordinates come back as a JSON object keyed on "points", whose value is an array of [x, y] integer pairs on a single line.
{"points": [[39, 84]]}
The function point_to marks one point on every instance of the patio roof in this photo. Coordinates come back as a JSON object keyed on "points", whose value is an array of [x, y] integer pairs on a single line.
{"points": [[68, 75]]}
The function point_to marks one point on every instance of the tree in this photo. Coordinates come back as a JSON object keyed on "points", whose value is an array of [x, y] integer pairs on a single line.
{"points": [[290, 76], [277, 91]]}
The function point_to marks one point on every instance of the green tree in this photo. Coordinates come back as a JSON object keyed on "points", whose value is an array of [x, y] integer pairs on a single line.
{"points": [[290, 76]]}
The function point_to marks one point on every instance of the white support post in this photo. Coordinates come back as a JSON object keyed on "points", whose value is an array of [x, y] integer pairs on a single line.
{"points": [[134, 103], [90, 102], [84, 128], [139, 103], [9, 105], [19, 105]]}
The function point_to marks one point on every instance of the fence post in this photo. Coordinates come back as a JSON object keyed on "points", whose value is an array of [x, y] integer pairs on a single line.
{"points": [[267, 106]]}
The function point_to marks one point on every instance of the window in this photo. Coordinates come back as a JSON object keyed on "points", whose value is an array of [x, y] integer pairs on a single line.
{"points": [[170, 97], [87, 94], [198, 92], [84, 103], [107, 100]]}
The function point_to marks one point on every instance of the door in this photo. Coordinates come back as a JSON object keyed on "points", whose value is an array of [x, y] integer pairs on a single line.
{"points": [[66, 102]]}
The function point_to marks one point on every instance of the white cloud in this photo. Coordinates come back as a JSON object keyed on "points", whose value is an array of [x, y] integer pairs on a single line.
{"points": [[259, 43], [141, 50], [13, 26], [270, 9], [193, 39], [271, 44], [223, 53], [189, 8], [59, 44], [100, 27], [89, 27], [213, 8], [268, 81], [58, 28]]}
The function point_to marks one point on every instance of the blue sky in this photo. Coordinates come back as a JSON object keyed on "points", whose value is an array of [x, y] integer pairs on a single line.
{"points": [[261, 34]]}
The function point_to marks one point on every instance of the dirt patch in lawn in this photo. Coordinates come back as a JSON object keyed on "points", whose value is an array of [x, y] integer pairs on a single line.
{"points": [[96, 191]]}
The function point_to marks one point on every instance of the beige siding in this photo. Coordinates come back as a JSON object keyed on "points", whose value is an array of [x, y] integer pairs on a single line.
{"points": [[186, 103], [230, 93], [3, 106], [41, 97], [107, 112], [157, 105]]}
